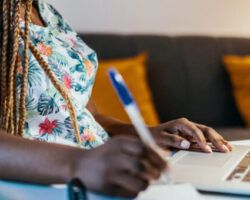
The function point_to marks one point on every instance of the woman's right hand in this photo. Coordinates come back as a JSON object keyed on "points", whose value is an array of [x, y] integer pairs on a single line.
{"points": [[122, 167]]}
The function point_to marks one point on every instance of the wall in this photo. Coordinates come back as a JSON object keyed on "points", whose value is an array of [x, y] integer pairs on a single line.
{"points": [[208, 17]]}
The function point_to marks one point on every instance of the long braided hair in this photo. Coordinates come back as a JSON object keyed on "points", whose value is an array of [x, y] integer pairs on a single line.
{"points": [[12, 103]]}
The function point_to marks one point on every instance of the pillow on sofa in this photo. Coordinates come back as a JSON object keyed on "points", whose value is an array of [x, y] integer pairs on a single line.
{"points": [[133, 71], [238, 68]]}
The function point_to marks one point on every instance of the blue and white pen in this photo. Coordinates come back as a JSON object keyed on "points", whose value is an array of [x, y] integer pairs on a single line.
{"points": [[133, 112]]}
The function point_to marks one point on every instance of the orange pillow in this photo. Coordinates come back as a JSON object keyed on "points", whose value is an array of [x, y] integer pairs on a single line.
{"points": [[238, 68], [133, 71]]}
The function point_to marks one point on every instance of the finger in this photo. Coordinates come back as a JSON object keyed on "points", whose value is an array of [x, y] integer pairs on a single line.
{"points": [[215, 138], [141, 168], [119, 191], [228, 144], [133, 147], [137, 149], [155, 158], [189, 128], [150, 172], [172, 140], [132, 165], [137, 167], [130, 186]]}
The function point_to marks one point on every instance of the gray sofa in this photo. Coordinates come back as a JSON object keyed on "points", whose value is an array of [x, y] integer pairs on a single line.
{"points": [[185, 74]]}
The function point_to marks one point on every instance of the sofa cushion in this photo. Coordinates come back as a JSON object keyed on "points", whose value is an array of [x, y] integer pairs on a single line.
{"points": [[133, 70], [238, 68], [186, 74]]}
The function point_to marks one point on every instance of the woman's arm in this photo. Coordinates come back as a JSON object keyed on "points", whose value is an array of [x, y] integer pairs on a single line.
{"points": [[113, 126], [36, 162], [121, 167], [180, 133]]}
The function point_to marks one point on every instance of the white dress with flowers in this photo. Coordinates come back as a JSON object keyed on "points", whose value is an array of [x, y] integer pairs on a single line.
{"points": [[75, 66]]}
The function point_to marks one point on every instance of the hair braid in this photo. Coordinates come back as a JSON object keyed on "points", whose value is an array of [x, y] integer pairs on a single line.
{"points": [[23, 94], [1, 37], [58, 86], [13, 64], [4, 55], [15, 108]]}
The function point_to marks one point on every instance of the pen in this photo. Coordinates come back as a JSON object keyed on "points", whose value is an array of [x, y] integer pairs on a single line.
{"points": [[133, 112]]}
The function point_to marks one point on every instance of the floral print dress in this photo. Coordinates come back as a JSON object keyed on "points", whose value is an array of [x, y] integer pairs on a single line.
{"points": [[75, 66]]}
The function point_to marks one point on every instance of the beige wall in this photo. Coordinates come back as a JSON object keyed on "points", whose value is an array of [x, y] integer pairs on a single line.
{"points": [[209, 17]]}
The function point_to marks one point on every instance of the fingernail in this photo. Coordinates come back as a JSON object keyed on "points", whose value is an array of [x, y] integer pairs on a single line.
{"points": [[209, 149], [230, 147], [225, 149], [185, 144]]}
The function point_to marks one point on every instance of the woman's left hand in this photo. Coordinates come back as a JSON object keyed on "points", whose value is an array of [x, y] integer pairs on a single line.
{"points": [[181, 133]]}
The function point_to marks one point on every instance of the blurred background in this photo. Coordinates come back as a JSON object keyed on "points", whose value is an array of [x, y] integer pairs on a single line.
{"points": [[211, 17]]}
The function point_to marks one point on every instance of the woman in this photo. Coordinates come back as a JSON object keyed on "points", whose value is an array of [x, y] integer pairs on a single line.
{"points": [[47, 74]]}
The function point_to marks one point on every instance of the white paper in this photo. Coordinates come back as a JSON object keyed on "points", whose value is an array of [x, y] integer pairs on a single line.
{"points": [[241, 142], [172, 192]]}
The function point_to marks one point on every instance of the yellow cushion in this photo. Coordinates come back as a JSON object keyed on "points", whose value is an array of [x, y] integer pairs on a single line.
{"points": [[238, 68], [133, 71]]}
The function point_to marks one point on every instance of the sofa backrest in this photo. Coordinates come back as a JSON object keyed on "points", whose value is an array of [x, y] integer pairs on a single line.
{"points": [[185, 73]]}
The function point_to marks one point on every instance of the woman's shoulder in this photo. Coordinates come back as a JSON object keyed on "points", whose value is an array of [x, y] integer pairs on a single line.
{"points": [[47, 8], [52, 16], [50, 7]]}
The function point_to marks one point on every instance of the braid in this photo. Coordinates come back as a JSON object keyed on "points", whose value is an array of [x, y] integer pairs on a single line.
{"points": [[5, 42], [22, 108], [1, 58], [15, 109], [13, 63], [58, 86]]}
